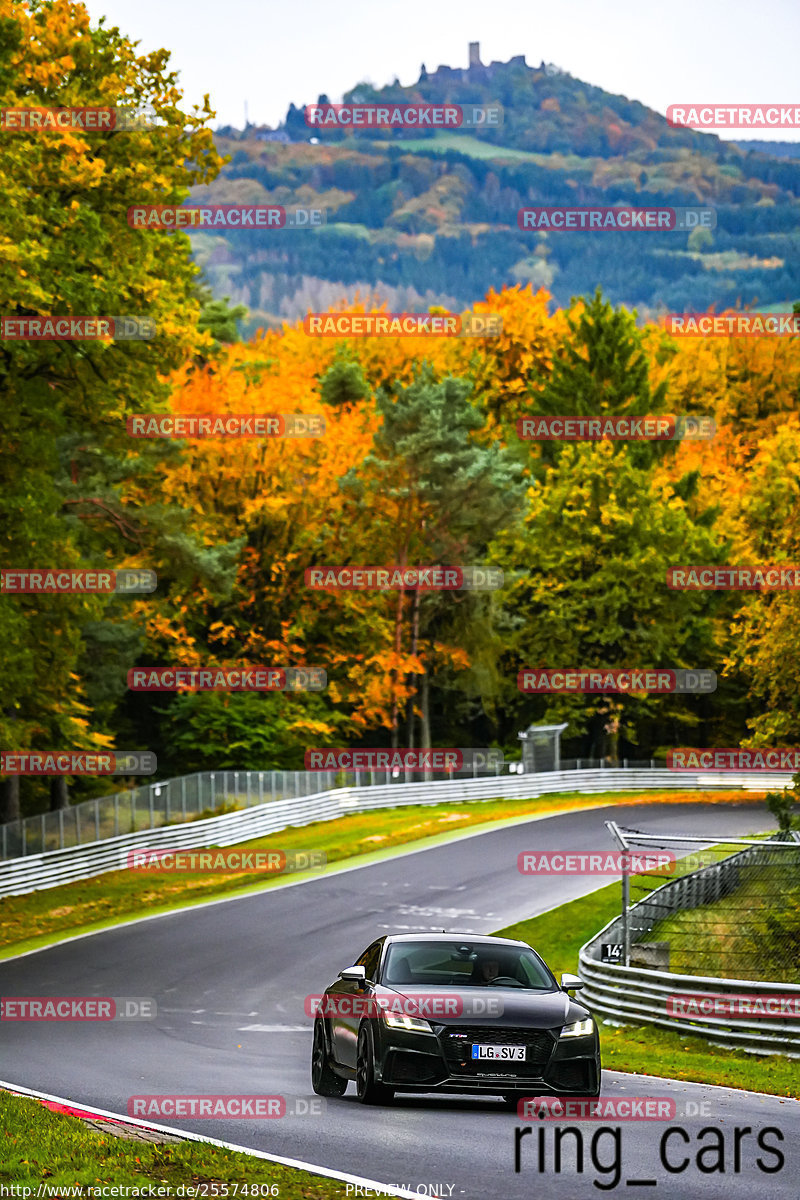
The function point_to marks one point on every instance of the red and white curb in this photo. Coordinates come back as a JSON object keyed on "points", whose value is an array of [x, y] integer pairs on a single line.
{"points": [[69, 1107]]}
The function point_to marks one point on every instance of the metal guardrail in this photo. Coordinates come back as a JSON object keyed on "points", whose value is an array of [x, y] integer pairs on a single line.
{"points": [[638, 995], [151, 805], [38, 871]]}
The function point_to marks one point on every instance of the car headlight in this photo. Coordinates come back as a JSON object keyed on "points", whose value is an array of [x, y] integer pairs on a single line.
{"points": [[578, 1029], [401, 1021]]}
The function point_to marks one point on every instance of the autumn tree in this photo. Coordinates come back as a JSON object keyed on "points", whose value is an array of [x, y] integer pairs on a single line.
{"points": [[66, 249], [277, 501], [589, 568], [436, 494], [764, 641], [588, 589]]}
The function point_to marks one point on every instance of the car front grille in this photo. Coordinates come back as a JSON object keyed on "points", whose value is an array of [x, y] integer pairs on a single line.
{"points": [[457, 1042]]}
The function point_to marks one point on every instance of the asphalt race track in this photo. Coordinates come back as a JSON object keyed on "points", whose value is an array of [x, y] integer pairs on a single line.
{"points": [[230, 980]]}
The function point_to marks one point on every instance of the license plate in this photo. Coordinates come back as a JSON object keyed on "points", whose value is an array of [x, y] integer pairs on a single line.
{"points": [[504, 1053]]}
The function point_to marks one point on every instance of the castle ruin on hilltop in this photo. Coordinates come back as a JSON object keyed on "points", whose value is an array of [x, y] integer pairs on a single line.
{"points": [[475, 72]]}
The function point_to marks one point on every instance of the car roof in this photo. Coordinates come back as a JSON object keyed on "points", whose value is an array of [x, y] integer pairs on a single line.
{"points": [[482, 939]]}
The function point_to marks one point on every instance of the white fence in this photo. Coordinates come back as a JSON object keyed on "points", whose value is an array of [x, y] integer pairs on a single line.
{"points": [[54, 867]]}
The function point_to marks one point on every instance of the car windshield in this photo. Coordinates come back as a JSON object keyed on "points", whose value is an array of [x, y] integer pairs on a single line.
{"points": [[464, 964]]}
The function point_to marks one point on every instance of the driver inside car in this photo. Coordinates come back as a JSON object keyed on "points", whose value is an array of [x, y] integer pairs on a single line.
{"points": [[487, 970]]}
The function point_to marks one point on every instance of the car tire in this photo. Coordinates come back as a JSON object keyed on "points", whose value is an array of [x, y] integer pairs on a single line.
{"points": [[368, 1090], [324, 1081]]}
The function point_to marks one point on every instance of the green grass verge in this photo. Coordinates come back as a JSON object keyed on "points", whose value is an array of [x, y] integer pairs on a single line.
{"points": [[646, 1050], [475, 147], [40, 918], [41, 1147], [559, 934], [466, 144]]}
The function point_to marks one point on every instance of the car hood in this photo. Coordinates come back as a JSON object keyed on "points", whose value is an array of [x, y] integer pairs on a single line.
{"points": [[537, 1010]]}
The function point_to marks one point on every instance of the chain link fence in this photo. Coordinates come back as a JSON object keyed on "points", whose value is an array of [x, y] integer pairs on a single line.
{"points": [[153, 805], [172, 801], [731, 910]]}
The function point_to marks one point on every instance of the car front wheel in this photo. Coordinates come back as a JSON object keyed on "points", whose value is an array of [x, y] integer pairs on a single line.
{"points": [[368, 1089], [323, 1080]]}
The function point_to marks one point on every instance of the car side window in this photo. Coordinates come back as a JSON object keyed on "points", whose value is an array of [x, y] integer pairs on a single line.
{"points": [[369, 960]]}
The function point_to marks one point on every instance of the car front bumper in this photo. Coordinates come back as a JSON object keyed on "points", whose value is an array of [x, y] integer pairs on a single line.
{"points": [[415, 1062]]}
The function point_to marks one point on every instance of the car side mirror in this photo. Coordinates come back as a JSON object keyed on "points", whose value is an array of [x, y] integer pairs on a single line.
{"points": [[354, 975], [570, 983]]}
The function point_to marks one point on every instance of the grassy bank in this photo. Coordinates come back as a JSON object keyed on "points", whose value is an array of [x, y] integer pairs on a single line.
{"points": [[50, 1149], [37, 918]]}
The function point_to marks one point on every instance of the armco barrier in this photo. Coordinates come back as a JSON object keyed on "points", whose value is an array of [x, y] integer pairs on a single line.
{"points": [[38, 871], [638, 995]]}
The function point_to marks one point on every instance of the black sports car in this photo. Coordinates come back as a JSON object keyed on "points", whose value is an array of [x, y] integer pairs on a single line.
{"points": [[445, 1012]]}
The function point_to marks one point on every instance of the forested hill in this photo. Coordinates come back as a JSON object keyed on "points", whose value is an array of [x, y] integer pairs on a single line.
{"points": [[545, 110], [430, 217]]}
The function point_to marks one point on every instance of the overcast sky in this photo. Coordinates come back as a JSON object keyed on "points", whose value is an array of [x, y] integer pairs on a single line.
{"points": [[267, 53]]}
